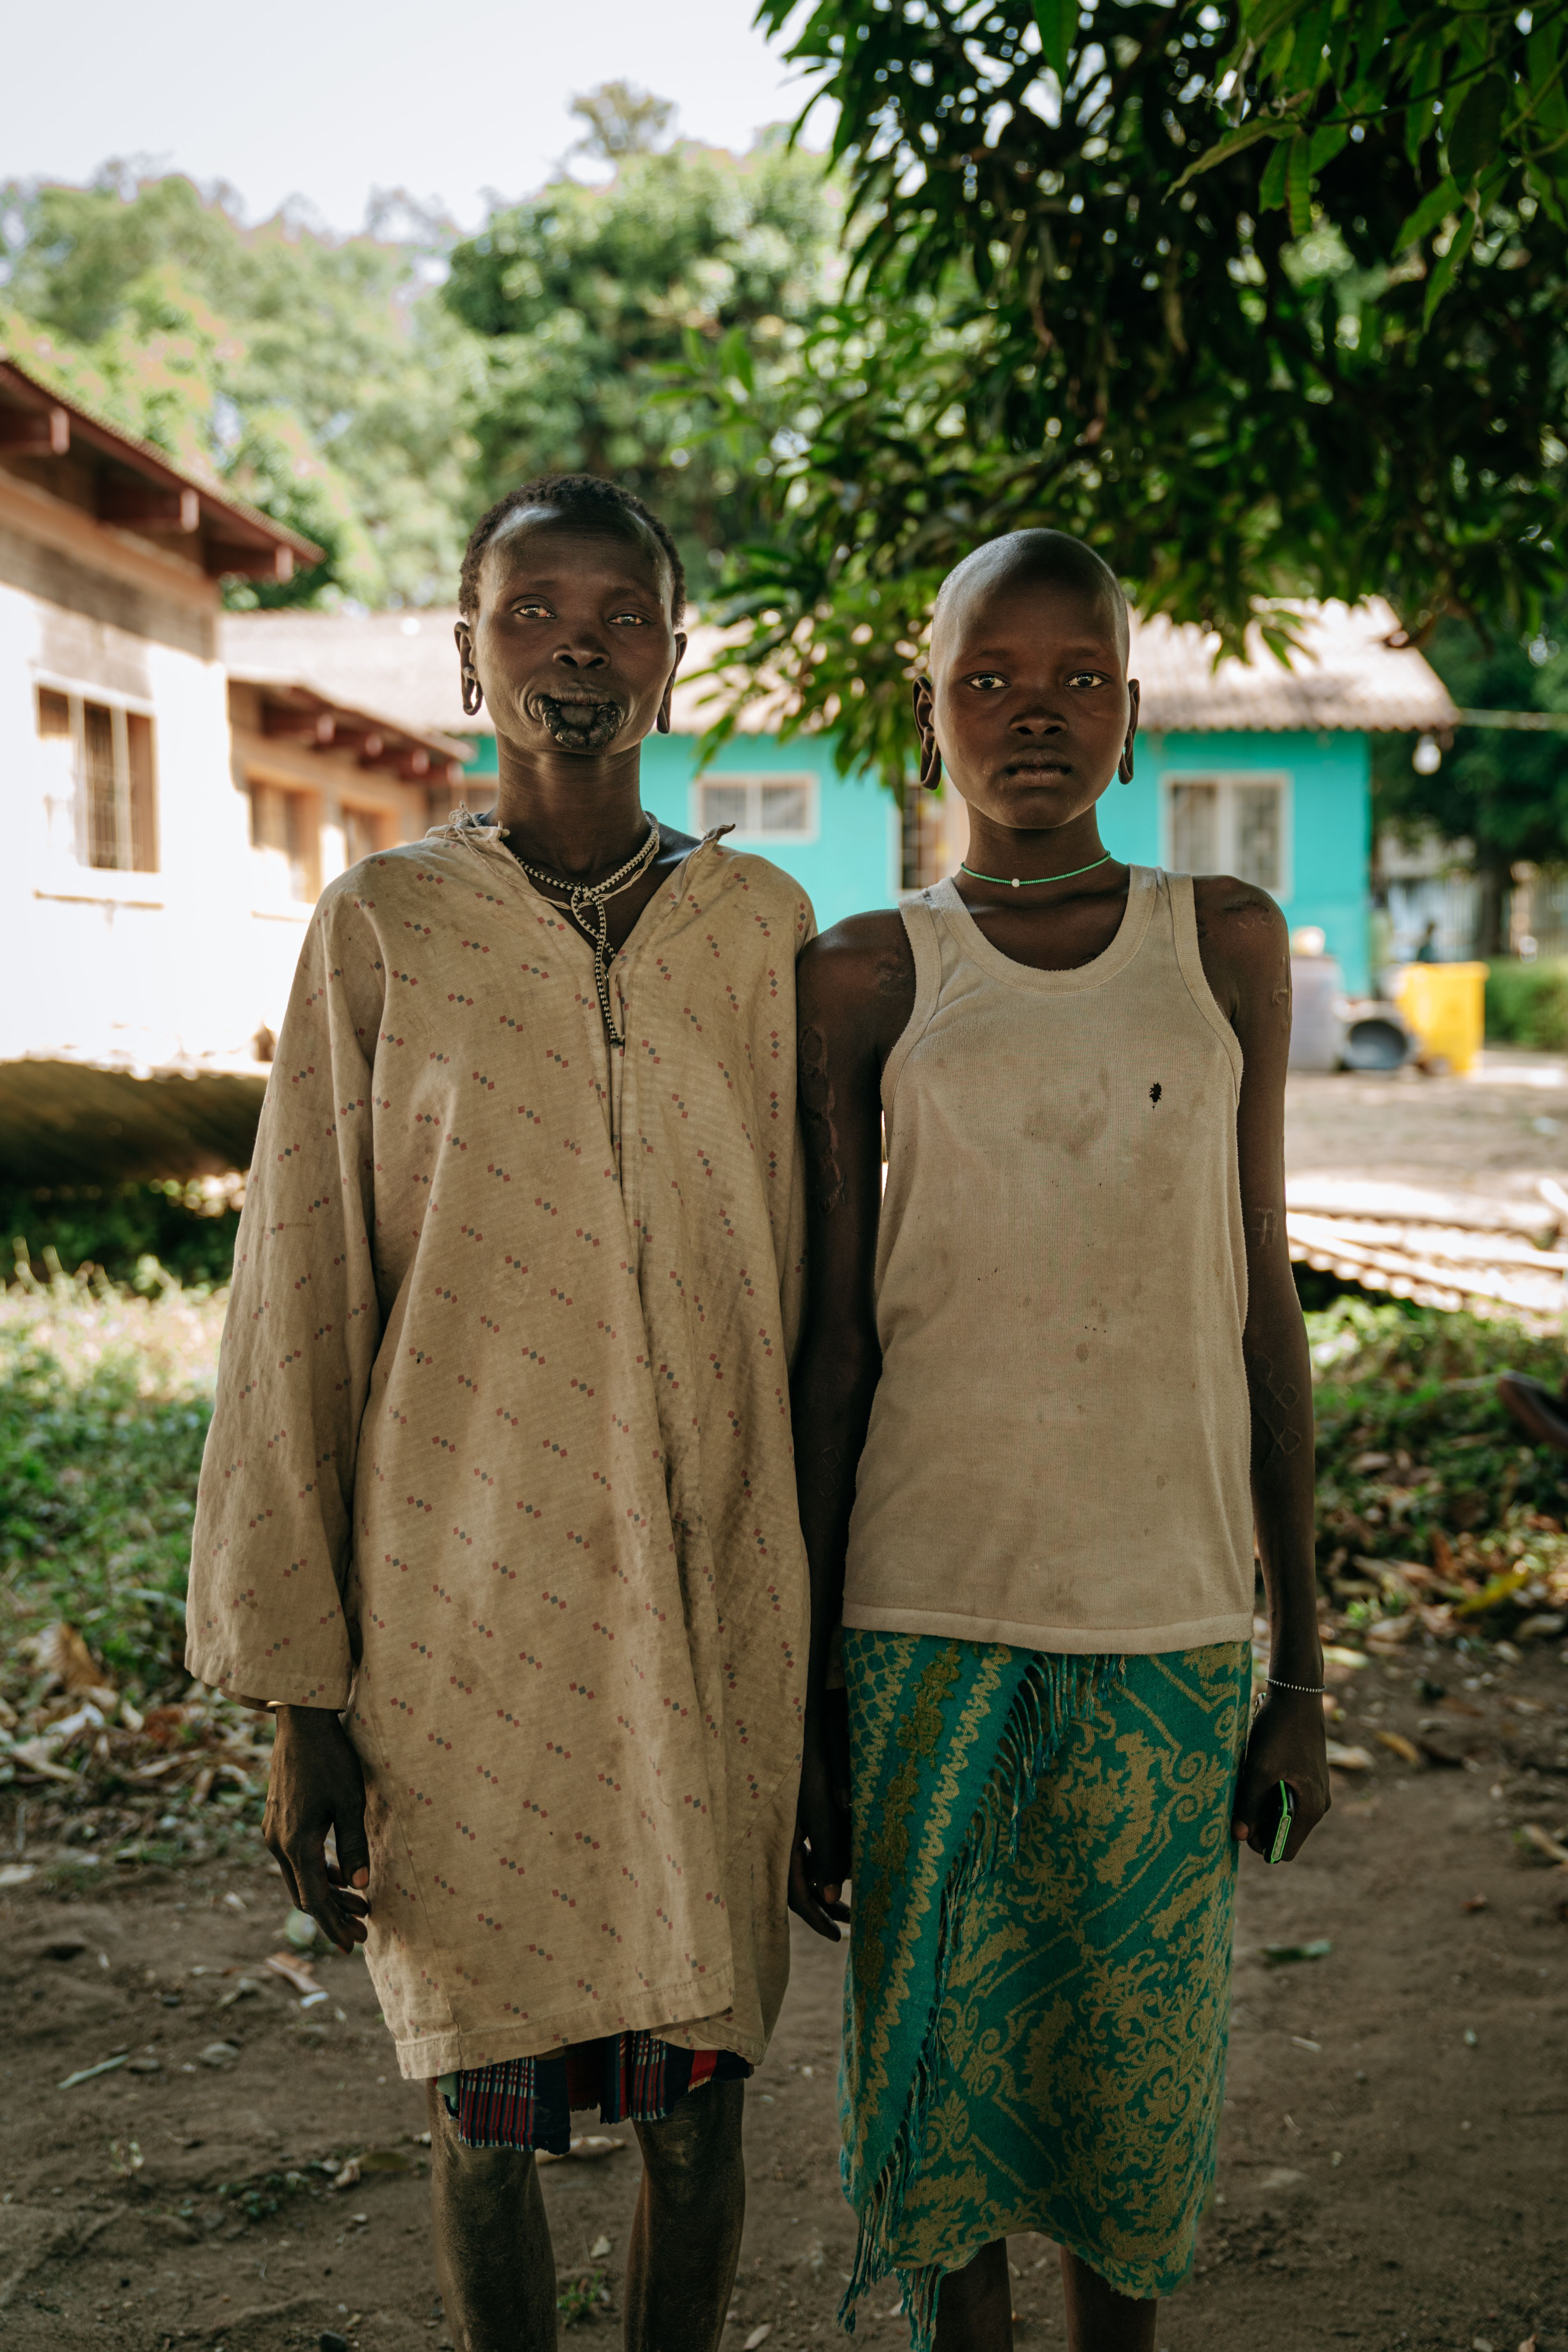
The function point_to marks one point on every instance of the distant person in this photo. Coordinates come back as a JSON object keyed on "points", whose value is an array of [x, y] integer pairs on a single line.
{"points": [[1379, 944], [499, 1503], [1047, 1388], [1427, 946]]}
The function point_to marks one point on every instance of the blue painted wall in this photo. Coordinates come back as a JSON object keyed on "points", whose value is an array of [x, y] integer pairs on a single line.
{"points": [[1330, 822], [853, 862]]}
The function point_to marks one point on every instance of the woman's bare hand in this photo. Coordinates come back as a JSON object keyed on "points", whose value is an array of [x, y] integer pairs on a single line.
{"points": [[316, 1785]]}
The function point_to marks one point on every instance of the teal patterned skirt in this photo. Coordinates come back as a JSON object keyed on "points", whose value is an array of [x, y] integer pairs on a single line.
{"points": [[1039, 1963]]}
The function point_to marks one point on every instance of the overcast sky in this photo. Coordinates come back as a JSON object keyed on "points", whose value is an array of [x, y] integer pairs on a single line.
{"points": [[316, 98]]}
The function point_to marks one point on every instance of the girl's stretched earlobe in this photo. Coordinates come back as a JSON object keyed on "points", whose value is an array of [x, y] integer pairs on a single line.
{"points": [[473, 692], [931, 767], [1124, 765]]}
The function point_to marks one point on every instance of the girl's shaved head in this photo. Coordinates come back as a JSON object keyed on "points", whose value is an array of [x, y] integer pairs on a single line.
{"points": [[1029, 555]]}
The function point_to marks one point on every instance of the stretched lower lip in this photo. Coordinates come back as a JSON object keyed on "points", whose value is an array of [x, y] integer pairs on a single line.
{"points": [[577, 720]]}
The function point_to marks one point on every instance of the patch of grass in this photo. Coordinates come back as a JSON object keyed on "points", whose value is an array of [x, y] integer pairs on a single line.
{"points": [[104, 1405], [262, 2196], [582, 2297], [105, 1399], [146, 1235], [1527, 1003], [1419, 1462]]}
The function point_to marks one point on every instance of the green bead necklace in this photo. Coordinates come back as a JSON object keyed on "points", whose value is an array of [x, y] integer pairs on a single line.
{"points": [[1011, 881]]}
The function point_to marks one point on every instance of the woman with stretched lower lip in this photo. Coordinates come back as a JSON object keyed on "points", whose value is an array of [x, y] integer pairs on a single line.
{"points": [[574, 655], [517, 1558]]}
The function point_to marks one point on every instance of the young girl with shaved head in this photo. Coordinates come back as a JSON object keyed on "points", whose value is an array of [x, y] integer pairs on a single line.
{"points": [[1050, 1384]]}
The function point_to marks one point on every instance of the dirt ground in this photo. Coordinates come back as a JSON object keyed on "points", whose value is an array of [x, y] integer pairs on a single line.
{"points": [[1492, 1132], [1392, 2162], [1391, 2168]]}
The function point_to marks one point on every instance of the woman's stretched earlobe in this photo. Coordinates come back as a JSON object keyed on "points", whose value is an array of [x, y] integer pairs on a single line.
{"points": [[930, 766], [473, 692], [1124, 765]]}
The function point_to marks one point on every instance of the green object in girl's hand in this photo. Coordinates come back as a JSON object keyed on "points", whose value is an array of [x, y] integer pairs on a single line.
{"points": [[1275, 1849]]}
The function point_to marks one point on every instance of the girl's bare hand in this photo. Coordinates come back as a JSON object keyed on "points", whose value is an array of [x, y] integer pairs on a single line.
{"points": [[1287, 1742]]}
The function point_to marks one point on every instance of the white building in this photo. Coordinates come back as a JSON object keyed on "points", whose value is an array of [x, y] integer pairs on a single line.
{"points": [[167, 827]]}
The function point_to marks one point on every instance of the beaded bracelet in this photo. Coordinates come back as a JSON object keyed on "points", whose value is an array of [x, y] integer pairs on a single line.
{"points": [[1307, 1690]]}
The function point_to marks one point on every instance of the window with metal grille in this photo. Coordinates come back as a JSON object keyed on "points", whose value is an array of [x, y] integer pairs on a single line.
{"points": [[282, 834], [771, 808], [108, 752], [1229, 824], [361, 834]]}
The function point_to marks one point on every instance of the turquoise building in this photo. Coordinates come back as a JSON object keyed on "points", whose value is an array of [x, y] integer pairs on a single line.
{"points": [[1291, 811], [840, 836], [1257, 768]]}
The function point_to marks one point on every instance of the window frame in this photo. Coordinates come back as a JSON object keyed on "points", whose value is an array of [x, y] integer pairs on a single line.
{"points": [[364, 813], [121, 708], [752, 780], [306, 802], [1225, 779]]}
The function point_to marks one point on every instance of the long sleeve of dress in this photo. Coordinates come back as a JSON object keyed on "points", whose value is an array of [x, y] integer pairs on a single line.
{"points": [[274, 1521], [502, 1464]]}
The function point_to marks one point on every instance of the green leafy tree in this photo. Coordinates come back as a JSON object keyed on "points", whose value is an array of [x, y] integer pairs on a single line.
{"points": [[1473, 91], [586, 297], [319, 377], [1050, 319], [622, 121]]}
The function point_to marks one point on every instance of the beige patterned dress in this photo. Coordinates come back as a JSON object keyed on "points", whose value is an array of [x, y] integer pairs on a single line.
{"points": [[502, 1458]]}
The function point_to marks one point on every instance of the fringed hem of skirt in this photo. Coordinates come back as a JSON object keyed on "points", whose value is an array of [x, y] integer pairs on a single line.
{"points": [[1056, 1691]]}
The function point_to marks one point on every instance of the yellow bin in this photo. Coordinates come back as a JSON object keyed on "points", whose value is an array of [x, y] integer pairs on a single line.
{"points": [[1445, 1003]]}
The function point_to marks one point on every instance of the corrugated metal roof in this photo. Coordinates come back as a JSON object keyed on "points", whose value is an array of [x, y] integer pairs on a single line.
{"points": [[1345, 676], [444, 752], [402, 664]]}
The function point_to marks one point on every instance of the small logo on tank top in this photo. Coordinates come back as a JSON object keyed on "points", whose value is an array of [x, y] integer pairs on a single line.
{"points": [[1155, 1092]]}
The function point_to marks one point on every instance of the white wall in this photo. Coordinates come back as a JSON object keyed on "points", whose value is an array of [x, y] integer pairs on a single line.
{"points": [[139, 969]]}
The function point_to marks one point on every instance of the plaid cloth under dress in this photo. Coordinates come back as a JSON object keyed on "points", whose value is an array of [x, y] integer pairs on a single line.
{"points": [[527, 2103]]}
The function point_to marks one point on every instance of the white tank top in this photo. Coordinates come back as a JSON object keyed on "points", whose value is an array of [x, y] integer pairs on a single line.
{"points": [[1058, 1448]]}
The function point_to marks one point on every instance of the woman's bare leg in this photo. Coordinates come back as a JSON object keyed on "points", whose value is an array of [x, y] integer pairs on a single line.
{"points": [[1101, 2320], [975, 2309], [685, 2230], [493, 2254]]}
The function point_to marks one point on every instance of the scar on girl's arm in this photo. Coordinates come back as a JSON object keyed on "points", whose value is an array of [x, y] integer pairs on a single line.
{"points": [[817, 1101], [1264, 1225], [1274, 1402]]}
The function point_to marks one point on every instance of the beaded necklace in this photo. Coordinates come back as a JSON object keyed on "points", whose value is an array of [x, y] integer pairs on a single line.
{"points": [[1033, 881], [589, 898]]}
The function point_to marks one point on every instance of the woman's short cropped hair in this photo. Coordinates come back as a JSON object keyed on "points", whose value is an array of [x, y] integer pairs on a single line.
{"points": [[586, 498]]}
